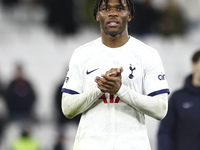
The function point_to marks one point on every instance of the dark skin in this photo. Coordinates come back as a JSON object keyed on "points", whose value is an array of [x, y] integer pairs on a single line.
{"points": [[110, 81], [116, 34], [114, 31]]}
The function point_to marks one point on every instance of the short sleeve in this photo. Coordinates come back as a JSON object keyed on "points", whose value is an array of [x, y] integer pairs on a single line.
{"points": [[155, 80], [73, 81]]}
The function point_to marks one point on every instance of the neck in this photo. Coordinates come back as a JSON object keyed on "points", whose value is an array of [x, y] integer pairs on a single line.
{"points": [[114, 41], [196, 81]]}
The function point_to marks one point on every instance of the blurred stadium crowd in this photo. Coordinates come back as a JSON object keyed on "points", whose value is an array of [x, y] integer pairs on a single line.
{"points": [[37, 39]]}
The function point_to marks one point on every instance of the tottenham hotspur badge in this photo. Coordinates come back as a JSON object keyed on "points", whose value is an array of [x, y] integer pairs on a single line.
{"points": [[131, 68]]}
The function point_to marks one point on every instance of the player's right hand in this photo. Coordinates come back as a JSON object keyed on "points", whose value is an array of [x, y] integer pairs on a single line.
{"points": [[111, 81], [113, 72]]}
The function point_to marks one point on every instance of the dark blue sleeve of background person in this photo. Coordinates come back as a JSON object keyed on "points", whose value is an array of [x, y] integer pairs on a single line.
{"points": [[167, 126]]}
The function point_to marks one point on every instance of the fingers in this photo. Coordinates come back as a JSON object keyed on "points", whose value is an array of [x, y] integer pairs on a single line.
{"points": [[108, 77], [111, 81], [106, 80], [108, 84], [121, 69], [103, 85], [113, 72]]}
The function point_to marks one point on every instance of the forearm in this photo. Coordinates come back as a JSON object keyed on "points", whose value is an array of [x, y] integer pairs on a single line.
{"points": [[155, 106], [73, 105]]}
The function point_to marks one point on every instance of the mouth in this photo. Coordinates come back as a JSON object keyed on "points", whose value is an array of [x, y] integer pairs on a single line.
{"points": [[113, 23]]}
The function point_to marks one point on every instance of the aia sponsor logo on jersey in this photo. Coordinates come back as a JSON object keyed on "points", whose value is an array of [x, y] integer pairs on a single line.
{"points": [[162, 76], [111, 97]]}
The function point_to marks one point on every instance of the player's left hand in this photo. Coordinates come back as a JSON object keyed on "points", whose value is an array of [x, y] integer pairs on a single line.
{"points": [[110, 81]]}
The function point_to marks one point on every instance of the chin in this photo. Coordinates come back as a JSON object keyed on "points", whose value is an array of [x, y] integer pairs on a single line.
{"points": [[114, 34]]}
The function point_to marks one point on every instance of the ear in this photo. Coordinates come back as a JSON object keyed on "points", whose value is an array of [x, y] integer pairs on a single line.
{"points": [[129, 17], [97, 16]]}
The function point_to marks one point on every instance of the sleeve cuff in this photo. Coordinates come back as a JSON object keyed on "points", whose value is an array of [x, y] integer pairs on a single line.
{"points": [[121, 90]]}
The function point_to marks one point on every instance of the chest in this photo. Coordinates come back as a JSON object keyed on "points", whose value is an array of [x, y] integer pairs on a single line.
{"points": [[100, 63], [188, 109]]}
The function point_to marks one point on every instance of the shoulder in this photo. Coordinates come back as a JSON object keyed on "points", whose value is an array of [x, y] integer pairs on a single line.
{"points": [[143, 47], [87, 46], [84, 52], [147, 54]]}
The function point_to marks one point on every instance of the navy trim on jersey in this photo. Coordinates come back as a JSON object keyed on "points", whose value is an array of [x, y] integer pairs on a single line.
{"points": [[69, 91], [159, 92]]}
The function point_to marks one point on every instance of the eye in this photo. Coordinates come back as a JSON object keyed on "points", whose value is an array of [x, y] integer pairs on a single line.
{"points": [[105, 8], [120, 8]]}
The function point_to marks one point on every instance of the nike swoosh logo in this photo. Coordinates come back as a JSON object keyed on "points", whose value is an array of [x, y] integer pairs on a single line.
{"points": [[88, 72], [187, 105]]}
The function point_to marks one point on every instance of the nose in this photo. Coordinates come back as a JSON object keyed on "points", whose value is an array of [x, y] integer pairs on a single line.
{"points": [[113, 13]]}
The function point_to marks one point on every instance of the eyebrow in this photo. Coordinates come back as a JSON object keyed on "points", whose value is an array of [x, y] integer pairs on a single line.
{"points": [[118, 5]]}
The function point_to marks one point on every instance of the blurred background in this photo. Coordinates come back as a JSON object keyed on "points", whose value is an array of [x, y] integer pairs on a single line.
{"points": [[37, 39]]}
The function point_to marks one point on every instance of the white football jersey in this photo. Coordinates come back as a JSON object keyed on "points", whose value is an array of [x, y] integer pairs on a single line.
{"points": [[111, 124]]}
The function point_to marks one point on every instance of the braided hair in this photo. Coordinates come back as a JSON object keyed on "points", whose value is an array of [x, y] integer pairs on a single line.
{"points": [[99, 2]]}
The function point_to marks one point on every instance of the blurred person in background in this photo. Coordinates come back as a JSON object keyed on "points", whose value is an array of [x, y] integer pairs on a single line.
{"points": [[10, 3], [2, 125], [114, 81], [60, 142], [60, 117], [25, 141], [60, 16], [89, 5], [145, 20], [20, 97], [180, 129], [2, 110], [1, 86], [172, 20]]}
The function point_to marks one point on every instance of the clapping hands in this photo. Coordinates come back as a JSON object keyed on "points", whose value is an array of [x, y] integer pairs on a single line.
{"points": [[110, 82]]}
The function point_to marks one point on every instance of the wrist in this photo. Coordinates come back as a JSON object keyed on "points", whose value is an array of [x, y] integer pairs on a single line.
{"points": [[121, 90]]}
